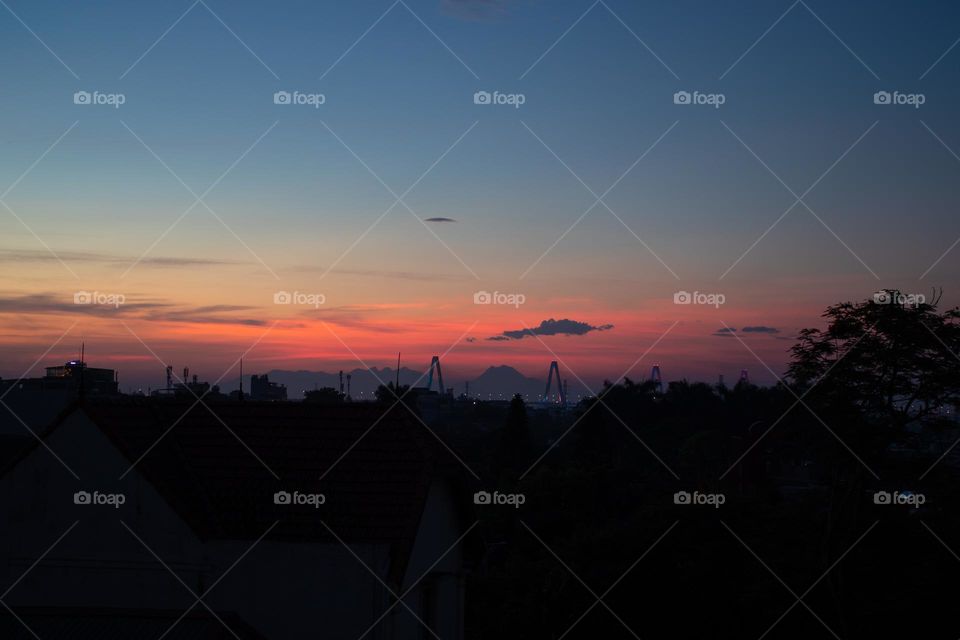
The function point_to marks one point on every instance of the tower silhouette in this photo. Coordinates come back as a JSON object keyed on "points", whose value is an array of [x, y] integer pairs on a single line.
{"points": [[561, 391], [436, 363], [744, 377], [656, 380]]}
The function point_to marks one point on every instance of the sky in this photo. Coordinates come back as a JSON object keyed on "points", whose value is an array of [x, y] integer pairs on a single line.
{"points": [[589, 193]]}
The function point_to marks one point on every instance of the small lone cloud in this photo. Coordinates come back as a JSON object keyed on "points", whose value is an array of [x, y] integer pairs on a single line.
{"points": [[551, 327], [439, 219], [760, 329], [725, 332]]}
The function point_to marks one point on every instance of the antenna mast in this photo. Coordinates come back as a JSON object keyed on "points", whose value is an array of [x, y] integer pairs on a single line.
{"points": [[82, 367]]}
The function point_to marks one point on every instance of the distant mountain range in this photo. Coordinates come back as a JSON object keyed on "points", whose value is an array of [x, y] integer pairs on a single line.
{"points": [[496, 382]]}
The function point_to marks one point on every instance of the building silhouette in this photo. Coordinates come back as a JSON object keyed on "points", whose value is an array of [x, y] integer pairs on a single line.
{"points": [[262, 389], [71, 376]]}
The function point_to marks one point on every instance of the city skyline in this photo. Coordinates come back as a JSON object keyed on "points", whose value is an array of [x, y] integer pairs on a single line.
{"points": [[220, 180]]}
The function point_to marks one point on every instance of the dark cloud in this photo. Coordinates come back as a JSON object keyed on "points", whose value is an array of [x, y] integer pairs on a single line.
{"points": [[553, 327], [439, 219], [724, 332], [760, 329]]}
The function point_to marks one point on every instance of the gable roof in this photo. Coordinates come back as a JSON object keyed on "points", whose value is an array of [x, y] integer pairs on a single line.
{"points": [[213, 467]]}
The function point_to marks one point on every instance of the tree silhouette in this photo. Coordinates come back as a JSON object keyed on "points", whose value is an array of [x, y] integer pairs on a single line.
{"points": [[895, 363], [390, 393], [515, 449], [323, 395]]}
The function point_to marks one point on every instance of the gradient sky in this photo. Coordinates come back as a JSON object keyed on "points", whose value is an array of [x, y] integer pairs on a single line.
{"points": [[302, 185]]}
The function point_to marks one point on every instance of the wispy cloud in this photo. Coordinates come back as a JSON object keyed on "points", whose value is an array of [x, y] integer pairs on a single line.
{"points": [[380, 274], [50, 303], [211, 314], [26, 255], [131, 307]]}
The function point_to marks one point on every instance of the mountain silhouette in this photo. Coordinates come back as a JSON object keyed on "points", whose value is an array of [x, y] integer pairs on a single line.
{"points": [[496, 381]]}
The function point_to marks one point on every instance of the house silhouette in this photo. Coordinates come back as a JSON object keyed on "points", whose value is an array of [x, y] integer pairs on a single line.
{"points": [[217, 520]]}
